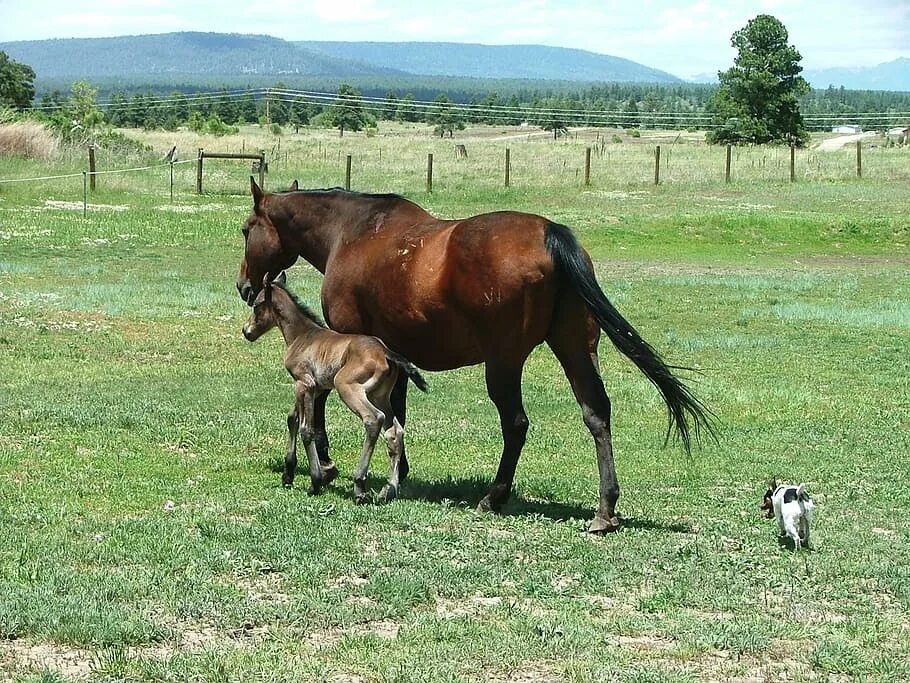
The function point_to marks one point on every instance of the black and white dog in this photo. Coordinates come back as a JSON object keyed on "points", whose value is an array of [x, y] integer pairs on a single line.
{"points": [[792, 507]]}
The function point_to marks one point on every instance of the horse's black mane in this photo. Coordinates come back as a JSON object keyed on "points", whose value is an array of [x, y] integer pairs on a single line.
{"points": [[350, 193], [307, 311]]}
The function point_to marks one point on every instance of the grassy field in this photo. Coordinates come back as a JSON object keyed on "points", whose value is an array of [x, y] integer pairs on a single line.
{"points": [[144, 534]]}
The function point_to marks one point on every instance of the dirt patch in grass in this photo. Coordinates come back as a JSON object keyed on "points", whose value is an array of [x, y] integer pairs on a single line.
{"points": [[19, 657], [529, 672], [383, 628]]}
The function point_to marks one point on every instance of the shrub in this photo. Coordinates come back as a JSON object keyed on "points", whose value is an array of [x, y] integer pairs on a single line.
{"points": [[634, 133], [29, 139], [616, 138]]}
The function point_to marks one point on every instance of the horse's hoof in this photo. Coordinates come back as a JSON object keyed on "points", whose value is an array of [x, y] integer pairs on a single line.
{"points": [[388, 494], [600, 525], [361, 498], [487, 505], [329, 473], [315, 489]]}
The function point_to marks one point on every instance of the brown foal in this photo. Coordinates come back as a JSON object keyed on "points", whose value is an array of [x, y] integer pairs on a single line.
{"points": [[361, 368]]}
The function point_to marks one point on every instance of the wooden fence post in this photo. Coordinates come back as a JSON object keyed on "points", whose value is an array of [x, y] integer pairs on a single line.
{"points": [[347, 173], [262, 168], [792, 163], [859, 158], [728, 164], [429, 172], [657, 165], [508, 167], [587, 166], [199, 173], [172, 181], [91, 167]]}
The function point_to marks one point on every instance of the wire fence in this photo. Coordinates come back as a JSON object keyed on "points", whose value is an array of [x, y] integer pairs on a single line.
{"points": [[523, 161]]}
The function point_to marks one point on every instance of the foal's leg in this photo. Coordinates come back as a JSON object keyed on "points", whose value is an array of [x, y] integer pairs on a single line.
{"points": [[321, 439], [393, 433], [290, 459], [574, 341], [306, 399], [504, 387], [355, 398]]}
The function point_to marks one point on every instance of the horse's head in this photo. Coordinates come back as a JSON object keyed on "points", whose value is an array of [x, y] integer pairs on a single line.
{"points": [[264, 251], [262, 317]]}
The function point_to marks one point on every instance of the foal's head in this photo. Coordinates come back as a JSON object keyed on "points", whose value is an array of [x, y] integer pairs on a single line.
{"points": [[263, 316]]}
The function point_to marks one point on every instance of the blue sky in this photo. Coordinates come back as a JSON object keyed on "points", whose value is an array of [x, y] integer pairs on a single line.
{"points": [[684, 37]]}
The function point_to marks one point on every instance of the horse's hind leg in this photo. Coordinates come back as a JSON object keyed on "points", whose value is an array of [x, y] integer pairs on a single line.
{"points": [[574, 341], [504, 387]]}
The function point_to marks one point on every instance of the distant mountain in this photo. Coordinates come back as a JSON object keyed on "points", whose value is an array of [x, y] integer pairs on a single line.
{"points": [[179, 53], [888, 76], [235, 54], [894, 76], [493, 61]]}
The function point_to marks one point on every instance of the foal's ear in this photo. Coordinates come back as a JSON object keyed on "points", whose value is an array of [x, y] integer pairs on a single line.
{"points": [[267, 286], [294, 186], [257, 191], [282, 278]]}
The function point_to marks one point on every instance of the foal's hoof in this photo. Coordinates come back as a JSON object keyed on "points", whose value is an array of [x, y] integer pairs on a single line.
{"points": [[361, 498], [315, 489], [601, 525], [287, 483]]}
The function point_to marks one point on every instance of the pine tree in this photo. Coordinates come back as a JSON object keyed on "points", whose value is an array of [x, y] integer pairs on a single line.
{"points": [[758, 98]]}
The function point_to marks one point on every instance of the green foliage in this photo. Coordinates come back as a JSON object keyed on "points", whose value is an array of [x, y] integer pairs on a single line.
{"points": [[758, 98], [16, 83], [633, 133], [445, 117], [346, 113], [215, 126]]}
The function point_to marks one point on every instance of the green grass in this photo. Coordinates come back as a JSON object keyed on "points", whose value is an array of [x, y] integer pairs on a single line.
{"points": [[145, 535]]}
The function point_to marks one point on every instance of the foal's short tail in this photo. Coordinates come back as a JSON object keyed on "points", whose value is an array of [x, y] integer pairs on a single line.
{"points": [[408, 368], [572, 264]]}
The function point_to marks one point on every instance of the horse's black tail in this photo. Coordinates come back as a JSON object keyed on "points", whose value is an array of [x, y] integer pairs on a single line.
{"points": [[409, 369], [572, 264]]}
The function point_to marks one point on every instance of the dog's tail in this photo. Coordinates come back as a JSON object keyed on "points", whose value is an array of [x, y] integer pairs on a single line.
{"points": [[408, 368], [801, 492]]}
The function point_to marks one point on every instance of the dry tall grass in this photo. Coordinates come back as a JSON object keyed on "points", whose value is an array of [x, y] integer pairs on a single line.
{"points": [[29, 139]]}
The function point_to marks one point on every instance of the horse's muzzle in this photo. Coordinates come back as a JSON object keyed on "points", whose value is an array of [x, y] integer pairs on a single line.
{"points": [[245, 289], [248, 334]]}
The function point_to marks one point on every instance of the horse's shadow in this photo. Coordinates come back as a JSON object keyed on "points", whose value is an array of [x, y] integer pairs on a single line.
{"points": [[466, 492]]}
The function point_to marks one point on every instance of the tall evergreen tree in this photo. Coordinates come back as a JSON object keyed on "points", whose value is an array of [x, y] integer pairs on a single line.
{"points": [[758, 98], [346, 113]]}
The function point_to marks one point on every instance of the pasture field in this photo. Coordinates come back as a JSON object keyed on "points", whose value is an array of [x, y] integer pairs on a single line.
{"points": [[144, 534]]}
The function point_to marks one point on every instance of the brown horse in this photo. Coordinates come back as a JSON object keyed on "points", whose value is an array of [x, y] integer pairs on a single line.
{"points": [[361, 368], [451, 293]]}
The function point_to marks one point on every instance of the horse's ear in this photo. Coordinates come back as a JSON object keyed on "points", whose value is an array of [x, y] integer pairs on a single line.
{"points": [[256, 190], [282, 278], [267, 286], [294, 186]]}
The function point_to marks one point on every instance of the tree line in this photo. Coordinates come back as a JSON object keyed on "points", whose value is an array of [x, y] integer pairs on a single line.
{"points": [[761, 98]]}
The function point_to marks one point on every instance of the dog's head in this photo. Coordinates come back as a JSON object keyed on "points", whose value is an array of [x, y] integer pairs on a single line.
{"points": [[766, 502]]}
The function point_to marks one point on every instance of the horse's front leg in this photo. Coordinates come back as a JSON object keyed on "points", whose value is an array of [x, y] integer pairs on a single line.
{"points": [[321, 439], [399, 401]]}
